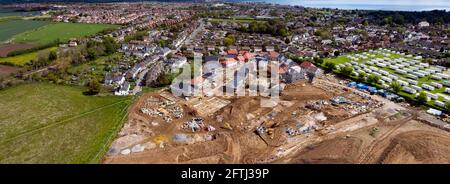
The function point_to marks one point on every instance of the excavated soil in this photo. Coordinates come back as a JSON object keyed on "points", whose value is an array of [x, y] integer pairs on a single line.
{"points": [[418, 147]]}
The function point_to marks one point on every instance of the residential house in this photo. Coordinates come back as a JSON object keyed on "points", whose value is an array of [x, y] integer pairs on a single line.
{"points": [[123, 90]]}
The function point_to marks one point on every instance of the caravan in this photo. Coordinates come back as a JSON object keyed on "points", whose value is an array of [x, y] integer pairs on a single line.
{"points": [[409, 90], [427, 87], [436, 85]]}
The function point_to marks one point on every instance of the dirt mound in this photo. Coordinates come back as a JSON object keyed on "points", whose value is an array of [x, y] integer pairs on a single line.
{"points": [[236, 113], [338, 150], [303, 91], [417, 147]]}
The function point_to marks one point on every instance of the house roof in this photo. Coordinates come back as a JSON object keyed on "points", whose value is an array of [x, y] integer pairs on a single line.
{"points": [[307, 65], [232, 51], [197, 80], [240, 58], [229, 61]]}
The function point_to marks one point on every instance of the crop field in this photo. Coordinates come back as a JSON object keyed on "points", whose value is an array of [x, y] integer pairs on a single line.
{"points": [[9, 12], [22, 59], [440, 91], [46, 123], [10, 28], [61, 31]]}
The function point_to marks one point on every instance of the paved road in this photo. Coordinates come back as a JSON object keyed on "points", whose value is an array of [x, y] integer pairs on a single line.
{"points": [[141, 76]]}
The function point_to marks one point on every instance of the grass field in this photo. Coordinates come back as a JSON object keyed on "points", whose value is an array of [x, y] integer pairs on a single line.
{"points": [[61, 31], [46, 123], [22, 59], [13, 27]]}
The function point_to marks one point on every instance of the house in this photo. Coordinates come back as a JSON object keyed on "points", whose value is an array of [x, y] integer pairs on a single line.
{"points": [[123, 90], [135, 70], [309, 67], [229, 62], [293, 74], [211, 47], [164, 52], [232, 52], [211, 64], [423, 24], [273, 55], [73, 43], [270, 48], [176, 62], [116, 79]]}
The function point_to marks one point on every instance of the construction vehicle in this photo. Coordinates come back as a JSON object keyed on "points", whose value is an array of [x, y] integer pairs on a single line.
{"points": [[227, 126], [270, 132]]}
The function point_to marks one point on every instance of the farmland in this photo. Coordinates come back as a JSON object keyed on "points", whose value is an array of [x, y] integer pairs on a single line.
{"points": [[22, 59], [9, 12], [61, 31], [57, 124], [10, 28]]}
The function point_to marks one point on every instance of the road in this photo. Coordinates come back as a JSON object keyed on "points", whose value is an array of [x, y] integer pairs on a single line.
{"points": [[137, 89], [142, 74]]}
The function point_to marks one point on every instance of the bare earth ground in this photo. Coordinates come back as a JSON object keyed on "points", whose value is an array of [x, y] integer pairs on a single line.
{"points": [[7, 48], [385, 133], [7, 70]]}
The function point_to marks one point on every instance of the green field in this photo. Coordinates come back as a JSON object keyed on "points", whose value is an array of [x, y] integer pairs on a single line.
{"points": [[10, 28], [22, 59], [61, 31], [46, 123]]}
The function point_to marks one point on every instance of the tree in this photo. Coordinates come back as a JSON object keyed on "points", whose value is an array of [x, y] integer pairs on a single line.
{"points": [[447, 107], [373, 79], [396, 87], [93, 87], [318, 61], [337, 53], [92, 53], [361, 77], [287, 41], [422, 98], [52, 55], [311, 75], [329, 65], [110, 45], [347, 70], [365, 23], [162, 80]]}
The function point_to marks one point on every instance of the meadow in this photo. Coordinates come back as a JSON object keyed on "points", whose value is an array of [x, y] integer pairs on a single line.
{"points": [[13, 27], [23, 59], [61, 31], [47, 123]]}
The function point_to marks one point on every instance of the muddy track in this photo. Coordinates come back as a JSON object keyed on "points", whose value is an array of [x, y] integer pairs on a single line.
{"points": [[367, 156]]}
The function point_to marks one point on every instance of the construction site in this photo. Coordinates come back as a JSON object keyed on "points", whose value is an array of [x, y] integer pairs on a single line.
{"points": [[320, 122]]}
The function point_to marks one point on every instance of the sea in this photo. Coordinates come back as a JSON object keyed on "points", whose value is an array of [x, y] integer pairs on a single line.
{"points": [[387, 5]]}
